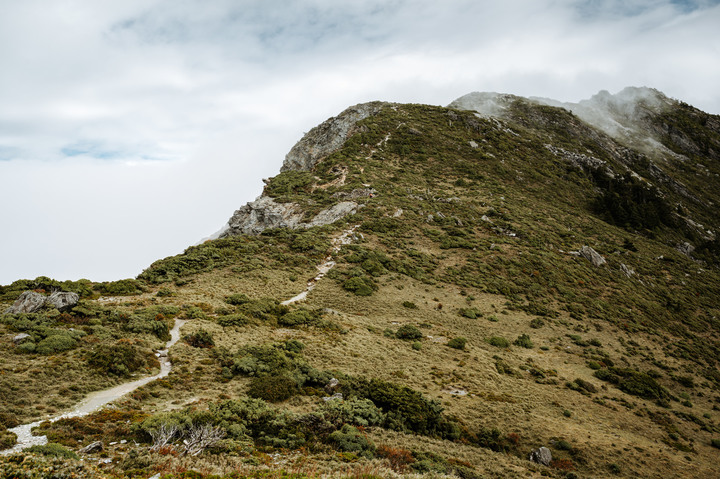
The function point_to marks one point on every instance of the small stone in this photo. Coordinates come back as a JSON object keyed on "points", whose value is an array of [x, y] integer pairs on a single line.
{"points": [[20, 338], [593, 256], [93, 447], [333, 397], [542, 456], [332, 385]]}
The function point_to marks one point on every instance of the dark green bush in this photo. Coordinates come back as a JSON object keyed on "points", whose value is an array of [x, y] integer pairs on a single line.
{"points": [[200, 339], [634, 382], [490, 438], [55, 344], [120, 359], [52, 449], [457, 343], [232, 320], [472, 313], [563, 445], [266, 309], [408, 332], [359, 285], [359, 412], [123, 287], [499, 341], [237, 299], [7, 439], [523, 341], [272, 388], [409, 305], [715, 443], [349, 439], [537, 323], [298, 317], [148, 323]]}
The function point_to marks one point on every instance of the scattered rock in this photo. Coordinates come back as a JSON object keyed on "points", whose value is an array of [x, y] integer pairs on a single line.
{"points": [[21, 337], [91, 448], [685, 248], [357, 193], [592, 256], [627, 270], [332, 385], [28, 302], [542, 456], [473, 144], [333, 397], [398, 213], [264, 213], [62, 300], [327, 137]]}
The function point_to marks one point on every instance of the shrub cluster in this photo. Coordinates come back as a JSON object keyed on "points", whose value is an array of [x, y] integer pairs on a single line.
{"points": [[634, 382], [121, 359]]}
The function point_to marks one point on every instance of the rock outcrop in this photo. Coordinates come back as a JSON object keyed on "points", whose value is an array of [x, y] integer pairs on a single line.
{"points": [[327, 137], [62, 300], [593, 256], [542, 456], [265, 213], [28, 302]]}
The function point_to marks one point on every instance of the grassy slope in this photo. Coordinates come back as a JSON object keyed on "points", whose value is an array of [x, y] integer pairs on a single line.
{"points": [[425, 242]]}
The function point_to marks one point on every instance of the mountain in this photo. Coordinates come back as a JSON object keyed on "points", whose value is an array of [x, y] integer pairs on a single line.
{"points": [[504, 287]]}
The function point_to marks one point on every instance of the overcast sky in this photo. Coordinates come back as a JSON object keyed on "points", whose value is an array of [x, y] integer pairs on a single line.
{"points": [[131, 129]]}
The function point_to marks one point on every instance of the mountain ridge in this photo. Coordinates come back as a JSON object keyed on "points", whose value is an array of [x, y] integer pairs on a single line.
{"points": [[514, 287]]}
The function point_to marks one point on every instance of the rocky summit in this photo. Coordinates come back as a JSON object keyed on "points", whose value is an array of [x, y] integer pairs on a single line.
{"points": [[504, 287]]}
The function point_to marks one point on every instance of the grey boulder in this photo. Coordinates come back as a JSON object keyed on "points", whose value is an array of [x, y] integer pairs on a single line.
{"points": [[593, 256], [28, 302], [541, 455], [62, 300]]}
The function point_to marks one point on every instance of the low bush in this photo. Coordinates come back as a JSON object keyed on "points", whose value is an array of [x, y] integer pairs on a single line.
{"points": [[120, 359], [7, 439], [471, 313], [272, 388], [457, 343], [349, 439], [523, 341], [298, 317], [200, 339], [123, 287], [358, 412], [360, 285], [408, 332], [52, 449], [237, 299], [499, 342], [55, 344], [409, 305], [232, 320], [634, 382]]}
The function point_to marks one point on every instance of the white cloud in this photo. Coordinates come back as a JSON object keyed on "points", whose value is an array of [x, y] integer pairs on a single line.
{"points": [[204, 98]]}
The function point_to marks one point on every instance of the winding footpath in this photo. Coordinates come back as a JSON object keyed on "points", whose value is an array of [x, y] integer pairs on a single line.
{"points": [[345, 238], [96, 400]]}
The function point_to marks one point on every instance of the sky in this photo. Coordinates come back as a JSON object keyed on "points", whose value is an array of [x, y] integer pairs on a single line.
{"points": [[132, 129]]}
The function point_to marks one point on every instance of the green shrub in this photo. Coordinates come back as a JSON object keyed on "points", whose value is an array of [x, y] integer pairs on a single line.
{"points": [[297, 317], [272, 388], [563, 445], [472, 313], [490, 438], [52, 449], [349, 439], [123, 287], [359, 412], [359, 285], [200, 339], [232, 320], [164, 292], [457, 343], [266, 309], [55, 344], [120, 359], [634, 382], [237, 299], [27, 347], [409, 305], [537, 323], [523, 341], [408, 332], [417, 345], [715, 443], [143, 323], [499, 341], [7, 439]]}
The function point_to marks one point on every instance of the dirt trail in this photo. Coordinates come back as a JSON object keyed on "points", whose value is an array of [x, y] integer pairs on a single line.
{"points": [[96, 400]]}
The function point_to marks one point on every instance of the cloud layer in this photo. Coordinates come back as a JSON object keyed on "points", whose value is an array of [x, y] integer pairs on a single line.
{"points": [[129, 130]]}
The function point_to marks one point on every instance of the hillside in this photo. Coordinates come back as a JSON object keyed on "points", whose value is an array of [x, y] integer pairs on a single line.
{"points": [[496, 276]]}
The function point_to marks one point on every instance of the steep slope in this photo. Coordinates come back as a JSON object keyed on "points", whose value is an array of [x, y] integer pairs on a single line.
{"points": [[494, 281]]}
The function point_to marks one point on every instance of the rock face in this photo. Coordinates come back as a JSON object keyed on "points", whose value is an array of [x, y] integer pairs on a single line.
{"points": [[62, 300], [592, 256], [265, 213], [542, 456], [28, 302], [327, 137]]}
